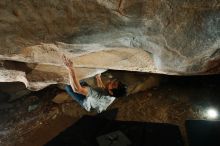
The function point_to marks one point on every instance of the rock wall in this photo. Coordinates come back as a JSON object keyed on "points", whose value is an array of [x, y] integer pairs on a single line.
{"points": [[160, 36]]}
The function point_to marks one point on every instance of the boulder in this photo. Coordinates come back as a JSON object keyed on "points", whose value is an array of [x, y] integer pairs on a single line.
{"points": [[158, 36]]}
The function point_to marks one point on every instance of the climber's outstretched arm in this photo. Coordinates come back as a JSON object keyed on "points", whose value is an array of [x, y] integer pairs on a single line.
{"points": [[73, 77]]}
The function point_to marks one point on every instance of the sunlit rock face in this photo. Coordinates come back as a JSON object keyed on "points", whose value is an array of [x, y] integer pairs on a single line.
{"points": [[159, 36]]}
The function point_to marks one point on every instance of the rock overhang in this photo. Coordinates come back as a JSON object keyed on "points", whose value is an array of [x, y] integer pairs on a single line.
{"points": [[167, 37]]}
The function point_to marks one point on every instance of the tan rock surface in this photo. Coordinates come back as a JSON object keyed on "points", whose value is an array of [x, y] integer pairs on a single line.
{"points": [[168, 37], [61, 98]]}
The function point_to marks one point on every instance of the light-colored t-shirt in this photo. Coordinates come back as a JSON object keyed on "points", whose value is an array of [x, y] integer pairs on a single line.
{"points": [[97, 100]]}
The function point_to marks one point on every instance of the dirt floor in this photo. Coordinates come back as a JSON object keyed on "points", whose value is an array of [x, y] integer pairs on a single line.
{"points": [[173, 101]]}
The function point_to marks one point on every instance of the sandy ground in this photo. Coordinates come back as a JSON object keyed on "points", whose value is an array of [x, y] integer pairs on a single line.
{"points": [[173, 101]]}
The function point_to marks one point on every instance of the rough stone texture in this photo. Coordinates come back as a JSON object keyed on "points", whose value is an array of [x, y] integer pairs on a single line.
{"points": [[160, 36], [62, 98]]}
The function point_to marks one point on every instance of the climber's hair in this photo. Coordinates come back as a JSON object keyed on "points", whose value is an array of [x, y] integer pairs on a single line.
{"points": [[120, 91]]}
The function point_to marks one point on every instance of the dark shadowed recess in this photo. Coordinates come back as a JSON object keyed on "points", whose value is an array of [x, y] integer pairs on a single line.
{"points": [[100, 131]]}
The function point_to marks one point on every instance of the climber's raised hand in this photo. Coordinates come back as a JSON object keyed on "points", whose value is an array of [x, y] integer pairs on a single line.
{"points": [[67, 62]]}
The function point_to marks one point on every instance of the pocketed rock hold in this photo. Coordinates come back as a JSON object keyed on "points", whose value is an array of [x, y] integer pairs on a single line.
{"points": [[61, 98]]}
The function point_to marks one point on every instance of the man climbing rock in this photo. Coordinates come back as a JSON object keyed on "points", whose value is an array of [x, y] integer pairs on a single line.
{"points": [[90, 98]]}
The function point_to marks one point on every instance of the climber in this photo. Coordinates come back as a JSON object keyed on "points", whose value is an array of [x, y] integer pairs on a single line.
{"points": [[90, 98]]}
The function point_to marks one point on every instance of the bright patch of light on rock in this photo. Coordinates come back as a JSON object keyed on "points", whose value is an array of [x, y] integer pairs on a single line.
{"points": [[212, 113]]}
